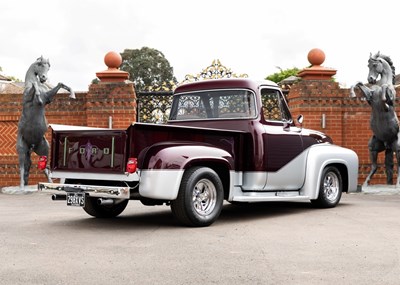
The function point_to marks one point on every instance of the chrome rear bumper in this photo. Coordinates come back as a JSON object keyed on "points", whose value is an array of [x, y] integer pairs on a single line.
{"points": [[92, 190]]}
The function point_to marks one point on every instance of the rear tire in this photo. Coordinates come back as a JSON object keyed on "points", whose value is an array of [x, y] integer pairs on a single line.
{"points": [[330, 190], [103, 211], [200, 198]]}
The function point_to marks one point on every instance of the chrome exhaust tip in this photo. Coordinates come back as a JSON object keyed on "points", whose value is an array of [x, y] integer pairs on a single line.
{"points": [[105, 202], [56, 197]]}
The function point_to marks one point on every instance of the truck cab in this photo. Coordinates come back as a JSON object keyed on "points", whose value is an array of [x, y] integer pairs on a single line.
{"points": [[258, 108]]}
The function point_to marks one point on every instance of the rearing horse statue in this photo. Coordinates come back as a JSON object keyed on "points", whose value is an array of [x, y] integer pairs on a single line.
{"points": [[32, 125], [383, 122]]}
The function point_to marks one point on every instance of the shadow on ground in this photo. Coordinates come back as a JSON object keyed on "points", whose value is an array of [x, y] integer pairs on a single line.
{"points": [[161, 216]]}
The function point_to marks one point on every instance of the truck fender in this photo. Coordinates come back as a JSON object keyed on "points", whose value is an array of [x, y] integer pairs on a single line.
{"points": [[162, 167], [322, 155]]}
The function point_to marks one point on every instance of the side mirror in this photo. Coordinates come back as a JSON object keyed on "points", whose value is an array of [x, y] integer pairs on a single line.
{"points": [[300, 120]]}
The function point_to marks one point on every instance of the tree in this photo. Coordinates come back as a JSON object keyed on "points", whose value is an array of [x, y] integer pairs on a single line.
{"points": [[12, 78], [147, 67], [15, 79], [283, 74]]}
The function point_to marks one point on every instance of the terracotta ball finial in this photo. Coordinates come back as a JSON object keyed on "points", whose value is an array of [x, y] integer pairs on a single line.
{"points": [[113, 60], [316, 72], [316, 56]]}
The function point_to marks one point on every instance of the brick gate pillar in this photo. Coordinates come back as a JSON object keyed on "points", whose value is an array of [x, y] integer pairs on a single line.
{"points": [[111, 103], [319, 98]]}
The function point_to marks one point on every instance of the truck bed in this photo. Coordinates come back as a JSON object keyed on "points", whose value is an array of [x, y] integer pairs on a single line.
{"points": [[107, 150]]}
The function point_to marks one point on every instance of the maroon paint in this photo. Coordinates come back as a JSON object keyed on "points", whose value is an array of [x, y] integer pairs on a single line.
{"points": [[247, 144]]}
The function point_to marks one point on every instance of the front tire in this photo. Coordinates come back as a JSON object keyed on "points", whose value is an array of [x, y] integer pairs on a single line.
{"points": [[103, 211], [200, 198], [331, 188]]}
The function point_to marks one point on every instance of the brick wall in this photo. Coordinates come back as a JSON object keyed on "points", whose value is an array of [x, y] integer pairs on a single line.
{"points": [[92, 108], [347, 119]]}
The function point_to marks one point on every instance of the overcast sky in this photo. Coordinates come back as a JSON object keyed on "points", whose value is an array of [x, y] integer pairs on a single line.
{"points": [[253, 37]]}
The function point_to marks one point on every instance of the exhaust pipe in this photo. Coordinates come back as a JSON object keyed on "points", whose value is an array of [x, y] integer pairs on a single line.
{"points": [[56, 197], [105, 202]]}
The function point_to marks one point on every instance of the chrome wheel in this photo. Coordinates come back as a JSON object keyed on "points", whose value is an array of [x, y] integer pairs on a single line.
{"points": [[331, 186], [200, 197], [204, 197]]}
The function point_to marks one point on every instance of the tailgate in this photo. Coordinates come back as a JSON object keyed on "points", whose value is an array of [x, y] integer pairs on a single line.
{"points": [[88, 149]]}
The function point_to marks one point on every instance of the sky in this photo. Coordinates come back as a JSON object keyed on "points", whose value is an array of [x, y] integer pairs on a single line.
{"points": [[252, 37]]}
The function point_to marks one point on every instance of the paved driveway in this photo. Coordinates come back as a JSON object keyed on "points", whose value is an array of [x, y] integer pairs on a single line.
{"points": [[358, 242]]}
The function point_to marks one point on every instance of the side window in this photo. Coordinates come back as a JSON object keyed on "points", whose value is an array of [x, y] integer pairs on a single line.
{"points": [[274, 107]]}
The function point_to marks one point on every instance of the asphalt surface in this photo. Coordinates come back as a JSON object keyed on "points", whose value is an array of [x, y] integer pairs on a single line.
{"points": [[46, 242]]}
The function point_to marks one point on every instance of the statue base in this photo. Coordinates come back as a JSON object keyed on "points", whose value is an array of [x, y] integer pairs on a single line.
{"points": [[16, 190], [380, 189]]}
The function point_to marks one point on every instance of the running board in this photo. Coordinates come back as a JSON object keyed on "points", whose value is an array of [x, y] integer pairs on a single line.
{"points": [[270, 196]]}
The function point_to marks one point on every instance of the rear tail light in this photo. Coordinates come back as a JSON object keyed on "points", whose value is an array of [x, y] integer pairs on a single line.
{"points": [[42, 163], [131, 165]]}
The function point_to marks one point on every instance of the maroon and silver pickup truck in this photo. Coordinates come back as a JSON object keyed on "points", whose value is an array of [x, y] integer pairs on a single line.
{"points": [[227, 139]]}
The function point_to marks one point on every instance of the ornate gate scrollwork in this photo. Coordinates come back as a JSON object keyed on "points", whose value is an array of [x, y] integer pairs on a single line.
{"points": [[215, 71], [154, 107], [155, 103]]}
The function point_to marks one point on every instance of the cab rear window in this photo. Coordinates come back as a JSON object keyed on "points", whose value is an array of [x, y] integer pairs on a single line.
{"points": [[216, 104]]}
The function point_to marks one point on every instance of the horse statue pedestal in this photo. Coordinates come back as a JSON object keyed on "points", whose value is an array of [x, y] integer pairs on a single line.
{"points": [[381, 189], [32, 125], [16, 190], [383, 121]]}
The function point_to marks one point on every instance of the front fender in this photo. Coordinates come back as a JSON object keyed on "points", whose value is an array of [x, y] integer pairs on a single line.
{"points": [[322, 155], [162, 167]]}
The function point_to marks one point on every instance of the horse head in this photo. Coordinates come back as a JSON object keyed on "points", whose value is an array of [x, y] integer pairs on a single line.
{"points": [[380, 67], [40, 67]]}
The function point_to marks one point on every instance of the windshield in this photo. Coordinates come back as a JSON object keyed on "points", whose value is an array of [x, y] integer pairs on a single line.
{"points": [[215, 104]]}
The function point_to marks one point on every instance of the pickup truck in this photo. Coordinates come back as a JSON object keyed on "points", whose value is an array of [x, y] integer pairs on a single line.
{"points": [[228, 140]]}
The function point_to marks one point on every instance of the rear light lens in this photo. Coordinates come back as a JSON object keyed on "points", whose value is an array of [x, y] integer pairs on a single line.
{"points": [[42, 163], [131, 165]]}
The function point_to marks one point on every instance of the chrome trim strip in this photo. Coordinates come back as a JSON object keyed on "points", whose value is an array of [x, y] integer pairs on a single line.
{"points": [[59, 127], [269, 198], [91, 190], [65, 151], [112, 151], [94, 176]]}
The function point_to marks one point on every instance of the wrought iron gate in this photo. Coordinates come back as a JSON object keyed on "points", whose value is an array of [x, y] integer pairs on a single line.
{"points": [[153, 106]]}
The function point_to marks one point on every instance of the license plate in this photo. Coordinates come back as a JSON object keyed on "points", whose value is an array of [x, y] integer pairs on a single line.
{"points": [[76, 199]]}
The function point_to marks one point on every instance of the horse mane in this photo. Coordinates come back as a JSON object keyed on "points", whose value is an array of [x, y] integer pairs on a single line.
{"points": [[389, 61]]}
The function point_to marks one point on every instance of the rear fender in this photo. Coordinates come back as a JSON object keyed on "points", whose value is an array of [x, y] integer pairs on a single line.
{"points": [[162, 167]]}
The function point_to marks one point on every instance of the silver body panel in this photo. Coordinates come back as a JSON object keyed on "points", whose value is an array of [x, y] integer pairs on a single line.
{"points": [[298, 180]]}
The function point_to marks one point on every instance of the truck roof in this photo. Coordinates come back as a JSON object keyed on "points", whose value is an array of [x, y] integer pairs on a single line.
{"points": [[224, 84]]}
